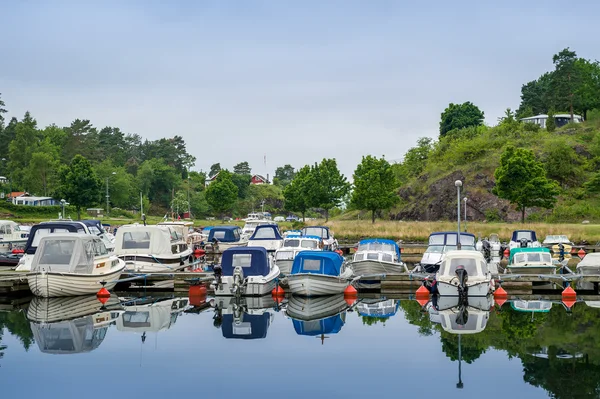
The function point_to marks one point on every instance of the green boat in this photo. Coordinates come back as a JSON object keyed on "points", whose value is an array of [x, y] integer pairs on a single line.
{"points": [[530, 261]]}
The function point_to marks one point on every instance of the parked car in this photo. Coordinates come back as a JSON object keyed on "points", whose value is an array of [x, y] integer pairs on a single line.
{"points": [[279, 219]]}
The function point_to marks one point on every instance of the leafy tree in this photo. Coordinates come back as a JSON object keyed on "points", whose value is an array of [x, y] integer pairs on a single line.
{"points": [[550, 122], [214, 169], [180, 203], [565, 79], [562, 163], [26, 140], [198, 204], [124, 192], [41, 175], [284, 175], [296, 194], [242, 182], [521, 179], [222, 193], [415, 159], [327, 186], [374, 185], [587, 93], [535, 96], [2, 111], [7, 135], [172, 151], [79, 184], [242, 168], [76, 143], [459, 116]]}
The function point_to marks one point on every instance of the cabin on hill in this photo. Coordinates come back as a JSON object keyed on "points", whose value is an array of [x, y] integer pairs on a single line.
{"points": [[560, 119], [258, 179], [34, 201], [210, 179]]}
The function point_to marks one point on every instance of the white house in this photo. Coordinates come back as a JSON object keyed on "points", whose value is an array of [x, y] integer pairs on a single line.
{"points": [[560, 119], [34, 201]]}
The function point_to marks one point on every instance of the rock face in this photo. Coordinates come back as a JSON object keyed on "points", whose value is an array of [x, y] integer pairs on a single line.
{"points": [[438, 200]]}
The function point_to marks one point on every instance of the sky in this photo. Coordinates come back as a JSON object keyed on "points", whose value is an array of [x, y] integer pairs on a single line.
{"points": [[290, 81]]}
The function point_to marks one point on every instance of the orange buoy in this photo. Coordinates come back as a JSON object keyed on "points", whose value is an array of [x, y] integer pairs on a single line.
{"points": [[349, 300], [339, 252], [569, 293], [199, 252], [103, 295], [422, 295], [278, 292], [350, 292], [581, 253], [197, 295], [500, 296], [569, 302], [506, 253], [573, 250]]}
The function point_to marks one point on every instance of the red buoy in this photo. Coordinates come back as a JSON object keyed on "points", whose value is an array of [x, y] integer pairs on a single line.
{"points": [[199, 252], [569, 293], [197, 295], [581, 253], [349, 300], [339, 252], [422, 295], [103, 295], [278, 292], [500, 296], [350, 292], [506, 253]]}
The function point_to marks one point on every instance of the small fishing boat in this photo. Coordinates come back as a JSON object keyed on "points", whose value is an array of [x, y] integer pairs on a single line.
{"points": [[152, 249], [558, 244], [438, 244], [221, 238], [252, 224], [530, 261], [463, 273], [377, 256], [52, 310], [590, 264], [461, 317], [244, 317], [292, 245], [539, 306], [329, 242], [245, 271], [524, 239], [266, 236], [72, 264], [319, 273], [317, 317], [11, 236]]}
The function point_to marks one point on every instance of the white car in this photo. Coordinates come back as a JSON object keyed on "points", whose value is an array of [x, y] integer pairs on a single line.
{"points": [[279, 219]]}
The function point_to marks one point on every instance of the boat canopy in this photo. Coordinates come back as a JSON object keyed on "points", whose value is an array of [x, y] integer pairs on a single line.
{"points": [[154, 317], [380, 310], [305, 242], [249, 326], [224, 233], [93, 223], [46, 228], [475, 322], [143, 240], [529, 235], [266, 232], [532, 306], [68, 253], [591, 259], [68, 337], [319, 231], [329, 325], [8, 227], [318, 262], [449, 238], [473, 262], [537, 250], [557, 239], [380, 245], [292, 233], [254, 261]]}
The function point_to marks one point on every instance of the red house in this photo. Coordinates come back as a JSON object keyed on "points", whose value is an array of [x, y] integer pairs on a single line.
{"points": [[258, 179]]}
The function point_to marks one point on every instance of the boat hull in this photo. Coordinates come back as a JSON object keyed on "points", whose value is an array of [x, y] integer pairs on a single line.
{"points": [[307, 309], [482, 289], [588, 269], [50, 284], [252, 288], [308, 284], [285, 266]]}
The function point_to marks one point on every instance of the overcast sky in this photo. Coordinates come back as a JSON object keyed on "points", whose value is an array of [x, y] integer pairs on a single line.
{"points": [[295, 80]]}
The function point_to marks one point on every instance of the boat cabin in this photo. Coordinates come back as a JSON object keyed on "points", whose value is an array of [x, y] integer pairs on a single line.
{"points": [[68, 337], [378, 249], [137, 239], [456, 322], [472, 261], [47, 228], [318, 231], [441, 242], [10, 230], [225, 234], [254, 261], [71, 253], [153, 317], [292, 244], [266, 232], [245, 326], [182, 228], [523, 239], [530, 256], [318, 262], [557, 239], [251, 225]]}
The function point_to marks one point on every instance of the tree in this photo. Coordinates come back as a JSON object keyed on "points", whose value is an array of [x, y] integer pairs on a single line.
{"points": [[284, 175], [587, 93], [242, 168], [242, 182], [296, 194], [157, 180], [551, 122], [2, 111], [79, 184], [562, 162], [521, 179], [20, 150], [374, 185], [327, 186], [214, 169], [459, 116], [222, 193], [535, 96], [565, 79]]}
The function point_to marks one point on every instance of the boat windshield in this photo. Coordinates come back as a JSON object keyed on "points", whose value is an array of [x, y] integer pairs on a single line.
{"points": [[311, 244], [282, 255], [295, 243], [377, 246], [524, 235], [265, 233], [136, 240], [435, 249], [533, 257], [450, 239], [469, 264], [316, 231]]}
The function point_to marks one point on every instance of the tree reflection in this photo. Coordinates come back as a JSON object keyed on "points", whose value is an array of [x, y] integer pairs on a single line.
{"points": [[16, 323]]}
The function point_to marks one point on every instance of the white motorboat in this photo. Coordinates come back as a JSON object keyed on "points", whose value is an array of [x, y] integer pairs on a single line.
{"points": [[559, 244], [11, 236], [72, 264], [438, 244], [252, 224], [244, 317], [245, 271], [329, 241], [181, 227], [143, 316], [376, 257], [221, 238], [590, 264], [317, 273], [524, 239], [292, 244], [63, 326], [463, 273], [378, 308], [527, 260], [491, 248], [152, 249], [95, 227], [266, 236], [536, 306], [317, 317]]}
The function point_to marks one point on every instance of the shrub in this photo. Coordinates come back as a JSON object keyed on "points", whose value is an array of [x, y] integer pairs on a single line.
{"points": [[493, 215]]}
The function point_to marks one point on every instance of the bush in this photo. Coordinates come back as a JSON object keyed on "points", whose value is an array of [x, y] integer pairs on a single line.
{"points": [[531, 127], [493, 215], [50, 212], [121, 213]]}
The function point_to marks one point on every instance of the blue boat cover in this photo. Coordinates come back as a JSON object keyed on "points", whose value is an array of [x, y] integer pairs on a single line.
{"points": [[71, 227], [253, 260], [330, 325], [92, 222], [224, 233], [266, 232], [253, 326], [318, 262], [382, 241], [529, 234]]}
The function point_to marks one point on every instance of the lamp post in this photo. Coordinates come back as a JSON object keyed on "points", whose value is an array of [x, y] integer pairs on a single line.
{"points": [[458, 185], [62, 204], [465, 199], [108, 196]]}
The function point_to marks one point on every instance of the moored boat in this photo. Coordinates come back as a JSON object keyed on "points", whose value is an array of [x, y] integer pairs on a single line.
{"points": [[379, 308], [376, 257], [72, 264], [292, 245], [245, 271], [221, 238], [329, 241], [267, 236], [143, 316], [317, 273], [526, 260], [244, 317], [438, 244], [537, 306], [590, 264], [524, 239], [463, 273], [11, 236]]}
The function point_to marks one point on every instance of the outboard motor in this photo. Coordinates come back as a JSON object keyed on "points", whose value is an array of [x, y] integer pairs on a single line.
{"points": [[463, 277], [487, 250], [218, 271], [462, 317], [561, 252], [238, 281], [523, 242]]}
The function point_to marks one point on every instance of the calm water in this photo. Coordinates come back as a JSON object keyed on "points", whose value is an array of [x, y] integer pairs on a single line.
{"points": [[380, 348]]}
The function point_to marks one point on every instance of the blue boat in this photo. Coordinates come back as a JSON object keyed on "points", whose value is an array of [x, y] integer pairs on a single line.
{"points": [[524, 239], [317, 273], [317, 316], [221, 238]]}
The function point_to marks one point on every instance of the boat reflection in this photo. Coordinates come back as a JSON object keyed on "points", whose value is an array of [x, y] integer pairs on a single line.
{"points": [[379, 308], [71, 325], [145, 315], [317, 316], [244, 317]]}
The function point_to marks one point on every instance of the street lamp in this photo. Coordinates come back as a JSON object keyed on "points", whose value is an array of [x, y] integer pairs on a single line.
{"points": [[465, 199], [458, 185], [62, 204], [108, 196]]}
